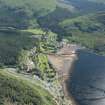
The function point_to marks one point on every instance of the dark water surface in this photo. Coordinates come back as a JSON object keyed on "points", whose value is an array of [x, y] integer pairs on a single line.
{"points": [[87, 83]]}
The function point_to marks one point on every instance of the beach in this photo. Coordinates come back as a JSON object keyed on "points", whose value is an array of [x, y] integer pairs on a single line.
{"points": [[63, 61]]}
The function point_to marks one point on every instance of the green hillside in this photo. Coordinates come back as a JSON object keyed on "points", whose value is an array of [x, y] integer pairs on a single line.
{"points": [[32, 5], [15, 89], [88, 23], [11, 43], [30, 30], [88, 30], [24, 13]]}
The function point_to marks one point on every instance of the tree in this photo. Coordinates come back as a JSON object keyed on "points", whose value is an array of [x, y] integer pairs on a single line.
{"points": [[24, 61]]}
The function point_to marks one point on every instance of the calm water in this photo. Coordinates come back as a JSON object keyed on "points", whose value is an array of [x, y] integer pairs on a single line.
{"points": [[88, 79]]}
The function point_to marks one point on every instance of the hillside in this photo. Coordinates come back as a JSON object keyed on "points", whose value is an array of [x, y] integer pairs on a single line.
{"points": [[23, 14], [11, 43], [67, 9], [16, 89], [89, 30], [34, 13], [30, 30]]}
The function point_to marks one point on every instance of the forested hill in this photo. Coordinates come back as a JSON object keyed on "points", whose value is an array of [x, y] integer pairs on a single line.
{"points": [[29, 30], [88, 30], [24, 13]]}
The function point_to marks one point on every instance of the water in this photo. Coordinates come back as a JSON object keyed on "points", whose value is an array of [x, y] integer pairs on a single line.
{"points": [[87, 83]]}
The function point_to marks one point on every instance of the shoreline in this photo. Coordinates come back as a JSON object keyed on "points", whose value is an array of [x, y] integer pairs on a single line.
{"points": [[74, 102], [63, 63], [66, 82]]}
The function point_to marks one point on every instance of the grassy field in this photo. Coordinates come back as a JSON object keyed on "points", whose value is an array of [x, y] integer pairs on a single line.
{"points": [[36, 31], [19, 90]]}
